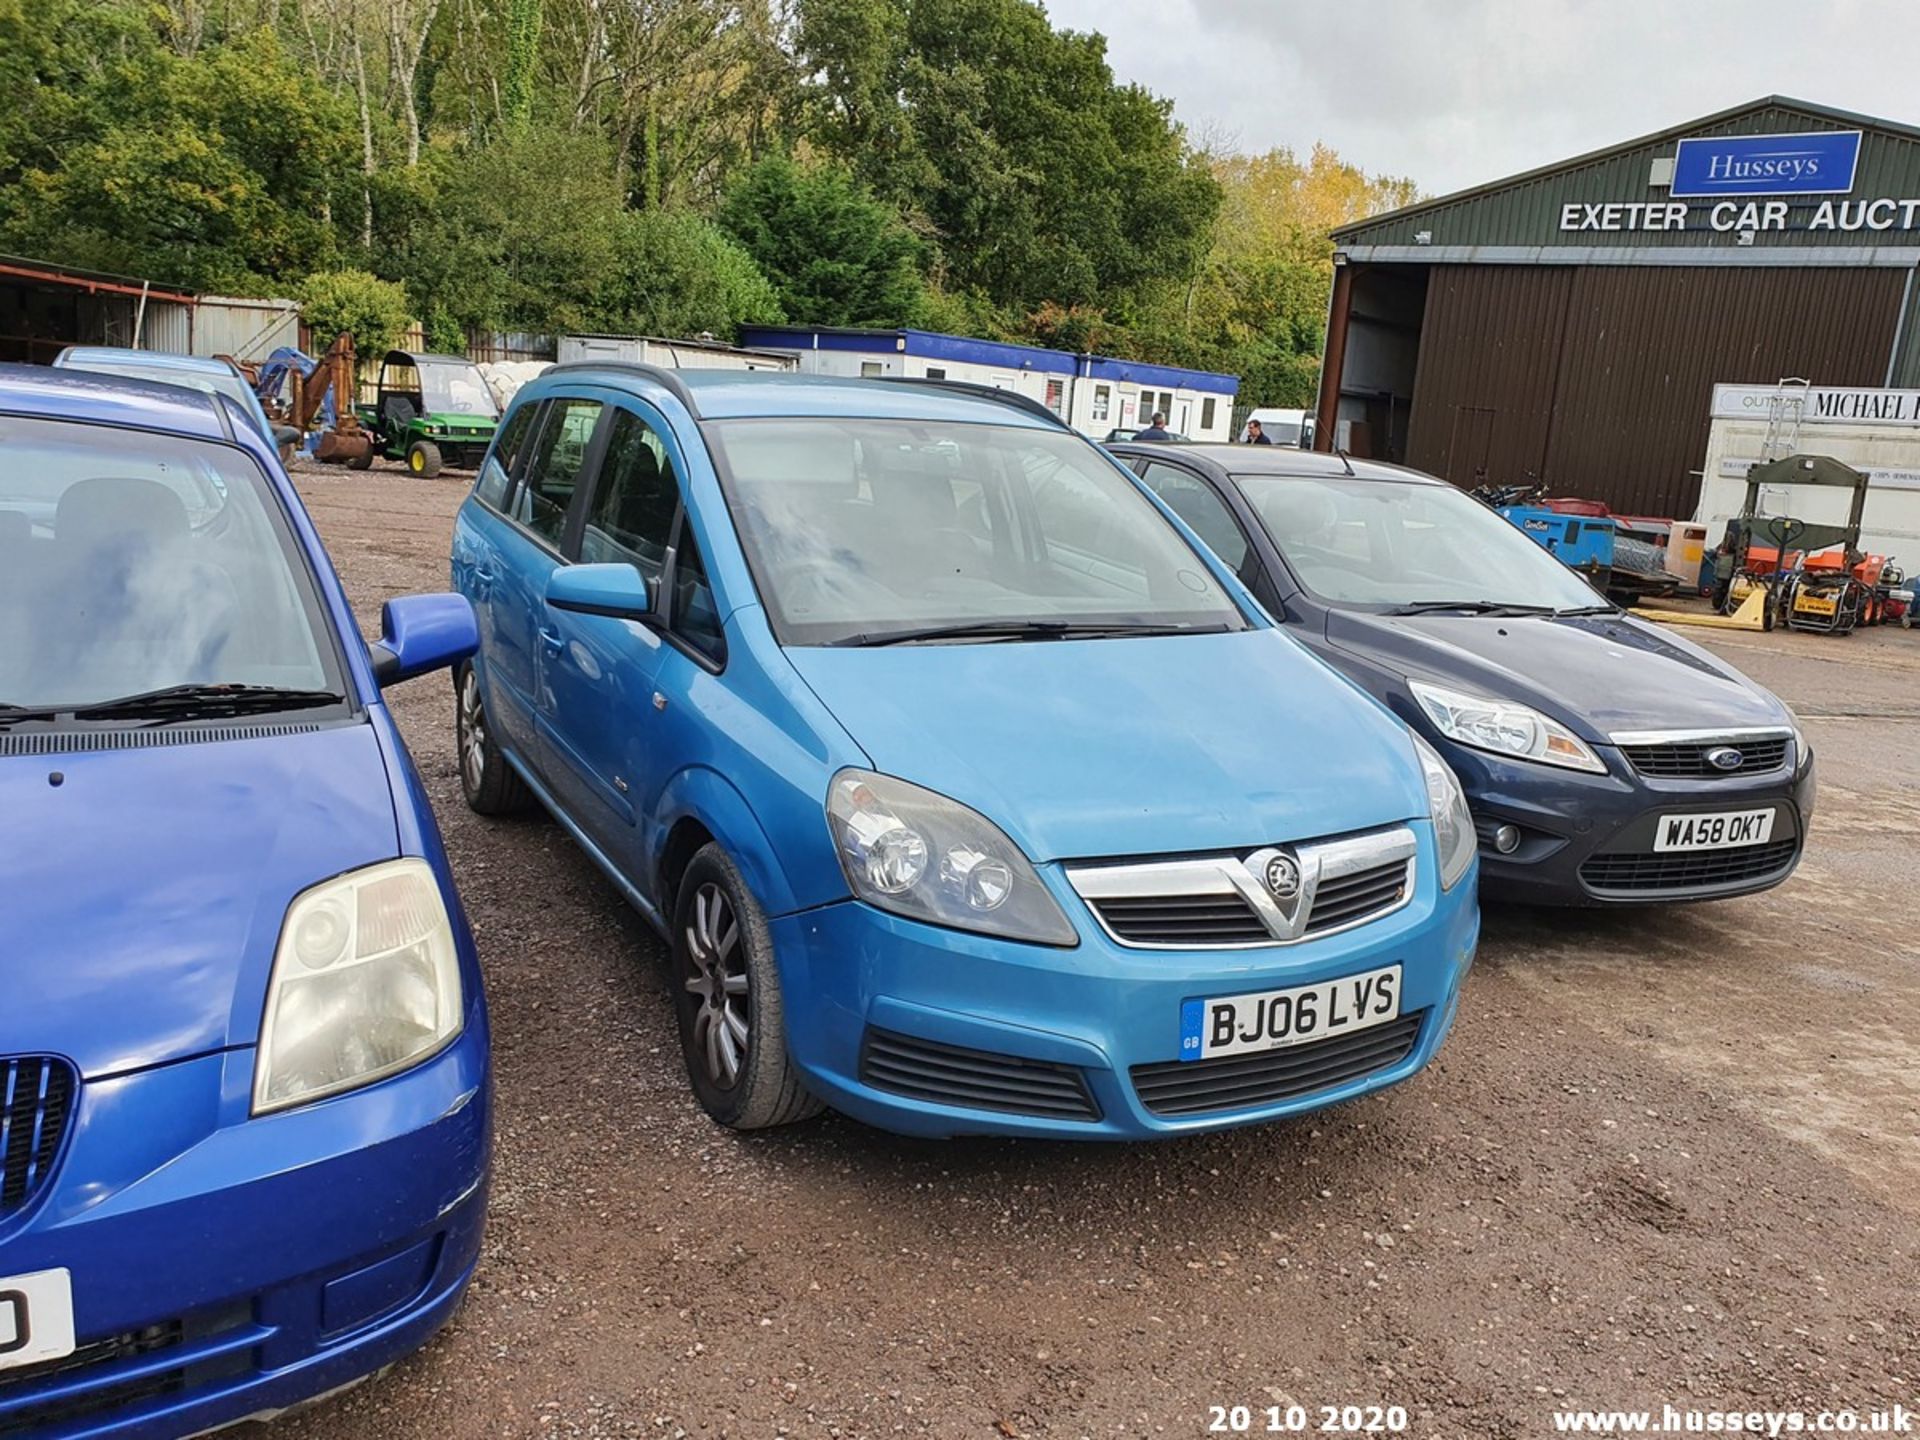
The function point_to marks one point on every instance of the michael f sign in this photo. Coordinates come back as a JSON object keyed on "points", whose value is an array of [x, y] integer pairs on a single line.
{"points": [[1818, 163]]}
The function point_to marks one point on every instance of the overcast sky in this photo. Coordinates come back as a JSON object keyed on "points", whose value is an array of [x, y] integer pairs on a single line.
{"points": [[1456, 92]]}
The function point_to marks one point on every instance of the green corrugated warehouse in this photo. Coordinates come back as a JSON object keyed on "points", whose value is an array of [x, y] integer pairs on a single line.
{"points": [[1568, 324]]}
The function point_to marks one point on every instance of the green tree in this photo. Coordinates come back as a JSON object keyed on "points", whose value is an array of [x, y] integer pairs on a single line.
{"points": [[1040, 178], [834, 253], [519, 233], [524, 19], [218, 170], [374, 311], [678, 274]]}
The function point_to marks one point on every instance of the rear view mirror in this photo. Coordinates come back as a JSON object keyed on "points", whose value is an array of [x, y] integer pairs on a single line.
{"points": [[614, 589], [419, 633]]}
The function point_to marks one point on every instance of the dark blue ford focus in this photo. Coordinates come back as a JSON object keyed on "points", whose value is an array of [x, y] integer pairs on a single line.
{"points": [[244, 1099]]}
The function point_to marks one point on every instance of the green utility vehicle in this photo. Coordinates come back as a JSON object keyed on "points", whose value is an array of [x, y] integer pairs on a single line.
{"points": [[431, 410]]}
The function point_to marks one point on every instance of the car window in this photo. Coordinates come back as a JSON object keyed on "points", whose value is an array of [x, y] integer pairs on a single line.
{"points": [[546, 489], [1387, 542], [133, 561], [630, 518], [492, 484], [696, 615], [856, 528], [1206, 514]]}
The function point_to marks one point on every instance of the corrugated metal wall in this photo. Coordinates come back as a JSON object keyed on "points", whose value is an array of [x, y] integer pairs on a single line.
{"points": [[1597, 379], [167, 326], [243, 328]]}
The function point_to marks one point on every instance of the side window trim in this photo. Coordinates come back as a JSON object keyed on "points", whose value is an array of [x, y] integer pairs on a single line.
{"points": [[529, 447], [670, 628], [550, 407], [588, 483]]}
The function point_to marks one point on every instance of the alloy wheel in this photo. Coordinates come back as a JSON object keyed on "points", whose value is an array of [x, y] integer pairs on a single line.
{"points": [[473, 732], [718, 981]]}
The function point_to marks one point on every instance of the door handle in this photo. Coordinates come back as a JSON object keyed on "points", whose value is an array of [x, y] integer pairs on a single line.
{"points": [[553, 640]]}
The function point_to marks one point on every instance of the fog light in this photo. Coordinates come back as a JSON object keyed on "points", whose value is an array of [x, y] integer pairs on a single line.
{"points": [[1507, 839]]}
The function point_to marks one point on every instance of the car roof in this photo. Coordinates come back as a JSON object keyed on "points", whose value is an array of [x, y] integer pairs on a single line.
{"points": [[1282, 460], [90, 395], [761, 394], [415, 357], [155, 359]]}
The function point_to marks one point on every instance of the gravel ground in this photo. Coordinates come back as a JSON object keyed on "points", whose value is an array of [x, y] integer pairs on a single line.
{"points": [[1670, 1156]]}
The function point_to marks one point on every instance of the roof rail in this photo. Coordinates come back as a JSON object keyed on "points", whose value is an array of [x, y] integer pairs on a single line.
{"points": [[664, 378], [983, 392]]}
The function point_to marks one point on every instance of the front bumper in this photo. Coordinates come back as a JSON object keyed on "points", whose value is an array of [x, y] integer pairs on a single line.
{"points": [[225, 1267], [1578, 830], [853, 976]]}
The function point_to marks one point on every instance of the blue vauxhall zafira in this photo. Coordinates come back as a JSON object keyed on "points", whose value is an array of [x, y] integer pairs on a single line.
{"points": [[244, 1097], [971, 793]]}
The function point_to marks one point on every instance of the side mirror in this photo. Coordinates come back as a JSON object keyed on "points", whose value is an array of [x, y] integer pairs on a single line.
{"points": [[617, 590], [419, 633]]}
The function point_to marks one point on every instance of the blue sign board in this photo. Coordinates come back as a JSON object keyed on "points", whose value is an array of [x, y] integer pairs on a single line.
{"points": [[1809, 163]]}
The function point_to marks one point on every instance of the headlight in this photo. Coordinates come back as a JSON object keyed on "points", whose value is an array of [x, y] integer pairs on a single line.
{"points": [[1504, 728], [926, 857], [1452, 822], [365, 983]]}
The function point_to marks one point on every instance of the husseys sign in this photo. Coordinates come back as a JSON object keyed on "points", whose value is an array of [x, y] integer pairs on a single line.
{"points": [[1730, 184]]}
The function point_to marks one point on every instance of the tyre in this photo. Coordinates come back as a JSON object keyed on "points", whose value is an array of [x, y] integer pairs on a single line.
{"points": [[726, 993], [423, 458], [490, 784]]}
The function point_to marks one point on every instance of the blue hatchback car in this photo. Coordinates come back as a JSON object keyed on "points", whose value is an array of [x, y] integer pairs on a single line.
{"points": [[971, 793], [244, 1101]]}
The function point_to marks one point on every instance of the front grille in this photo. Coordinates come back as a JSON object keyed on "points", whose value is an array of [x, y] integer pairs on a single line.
{"points": [[1205, 920], [1687, 869], [1198, 920], [1277, 895], [1242, 1082], [36, 1102], [1687, 759], [121, 1371], [974, 1079], [1345, 899]]}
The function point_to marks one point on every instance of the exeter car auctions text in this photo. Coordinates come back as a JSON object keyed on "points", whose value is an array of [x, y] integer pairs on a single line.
{"points": [[1742, 215]]}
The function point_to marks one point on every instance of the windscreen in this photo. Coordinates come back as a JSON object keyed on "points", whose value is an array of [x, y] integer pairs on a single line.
{"points": [[857, 529], [132, 562], [1388, 543], [454, 389]]}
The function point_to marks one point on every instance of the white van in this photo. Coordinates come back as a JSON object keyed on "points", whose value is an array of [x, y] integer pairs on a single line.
{"points": [[1282, 427]]}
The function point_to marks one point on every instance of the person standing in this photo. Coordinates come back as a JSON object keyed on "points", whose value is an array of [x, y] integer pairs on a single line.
{"points": [[1256, 435], [1157, 430]]}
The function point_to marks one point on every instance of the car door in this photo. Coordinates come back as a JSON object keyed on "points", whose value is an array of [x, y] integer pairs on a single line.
{"points": [[476, 528], [599, 671], [527, 549]]}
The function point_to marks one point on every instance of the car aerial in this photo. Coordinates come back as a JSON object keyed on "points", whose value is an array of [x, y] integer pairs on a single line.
{"points": [[1606, 759], [244, 1097], [195, 372], [970, 793]]}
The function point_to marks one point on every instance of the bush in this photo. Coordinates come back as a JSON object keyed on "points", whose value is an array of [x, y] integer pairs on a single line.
{"points": [[677, 274], [374, 311]]}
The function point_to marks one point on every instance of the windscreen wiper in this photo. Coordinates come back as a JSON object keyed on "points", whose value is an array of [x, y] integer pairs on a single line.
{"points": [[1013, 630], [203, 702], [1587, 610], [1471, 607]]}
